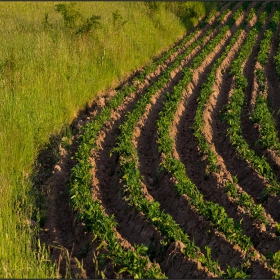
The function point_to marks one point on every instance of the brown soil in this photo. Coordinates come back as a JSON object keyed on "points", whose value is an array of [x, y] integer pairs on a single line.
{"points": [[189, 155], [66, 236], [161, 187], [251, 228]]}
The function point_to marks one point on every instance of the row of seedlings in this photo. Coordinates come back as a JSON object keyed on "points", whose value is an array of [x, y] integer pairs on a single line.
{"points": [[211, 211], [132, 177], [90, 211], [255, 211], [243, 199], [233, 117], [261, 113]]}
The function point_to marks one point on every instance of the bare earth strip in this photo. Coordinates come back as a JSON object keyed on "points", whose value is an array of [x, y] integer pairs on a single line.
{"points": [[186, 146], [64, 233], [106, 176], [261, 237], [61, 228], [161, 187]]}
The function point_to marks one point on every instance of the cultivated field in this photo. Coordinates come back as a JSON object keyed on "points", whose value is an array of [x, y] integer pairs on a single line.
{"points": [[176, 173]]}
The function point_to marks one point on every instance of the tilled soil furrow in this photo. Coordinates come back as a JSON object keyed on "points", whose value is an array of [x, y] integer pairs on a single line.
{"points": [[250, 131], [232, 166], [106, 172], [108, 188], [262, 239], [189, 153], [55, 231], [65, 232], [106, 185], [248, 179], [149, 157], [184, 134], [163, 191], [61, 231], [161, 188], [183, 122], [65, 236]]}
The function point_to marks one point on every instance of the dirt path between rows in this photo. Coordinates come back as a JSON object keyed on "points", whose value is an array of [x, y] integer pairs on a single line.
{"points": [[65, 236], [106, 174], [190, 157], [261, 237], [161, 187]]}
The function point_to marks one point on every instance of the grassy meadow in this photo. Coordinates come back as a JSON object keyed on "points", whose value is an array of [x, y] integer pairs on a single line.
{"points": [[52, 63]]}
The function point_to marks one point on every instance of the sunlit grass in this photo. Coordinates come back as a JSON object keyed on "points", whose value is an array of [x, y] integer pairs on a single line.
{"points": [[46, 76]]}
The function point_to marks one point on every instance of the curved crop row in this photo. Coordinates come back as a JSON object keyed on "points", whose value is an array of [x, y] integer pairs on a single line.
{"points": [[132, 177], [135, 263], [90, 211], [255, 211], [233, 113], [261, 113], [205, 93], [213, 212]]}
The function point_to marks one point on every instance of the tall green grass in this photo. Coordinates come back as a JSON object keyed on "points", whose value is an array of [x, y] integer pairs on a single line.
{"points": [[47, 74]]}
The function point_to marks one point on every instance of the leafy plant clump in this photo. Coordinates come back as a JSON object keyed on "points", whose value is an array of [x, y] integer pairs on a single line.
{"points": [[74, 21]]}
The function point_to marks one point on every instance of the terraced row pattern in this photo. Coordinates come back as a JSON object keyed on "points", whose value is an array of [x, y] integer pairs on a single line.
{"points": [[211, 211], [261, 114], [128, 154], [255, 211], [134, 190], [91, 211], [233, 117]]}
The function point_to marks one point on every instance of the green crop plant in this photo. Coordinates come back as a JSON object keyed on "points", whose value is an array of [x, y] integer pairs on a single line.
{"points": [[132, 189], [81, 173], [261, 113], [242, 199], [91, 212], [212, 212], [234, 112]]}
